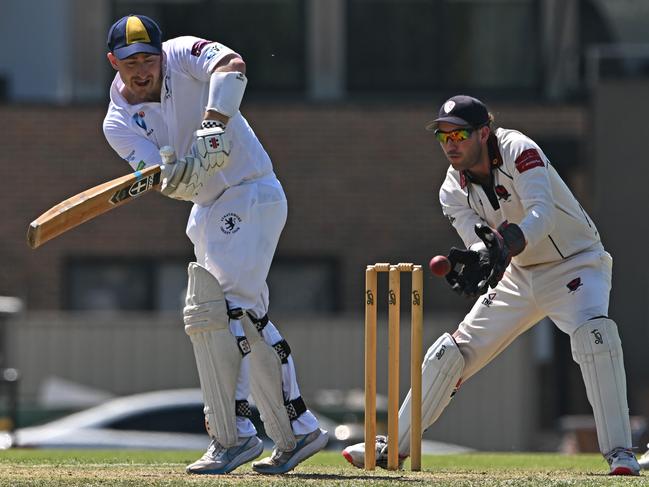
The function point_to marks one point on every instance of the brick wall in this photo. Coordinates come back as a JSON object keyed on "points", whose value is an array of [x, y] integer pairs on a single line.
{"points": [[361, 181]]}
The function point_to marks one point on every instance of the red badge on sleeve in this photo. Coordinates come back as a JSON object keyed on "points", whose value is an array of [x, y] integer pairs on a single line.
{"points": [[198, 47], [528, 159]]}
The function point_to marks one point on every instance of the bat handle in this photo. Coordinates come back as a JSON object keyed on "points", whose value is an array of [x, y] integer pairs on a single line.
{"points": [[168, 154]]}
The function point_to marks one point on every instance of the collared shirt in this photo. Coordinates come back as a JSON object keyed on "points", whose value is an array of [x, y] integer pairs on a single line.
{"points": [[526, 190], [137, 132]]}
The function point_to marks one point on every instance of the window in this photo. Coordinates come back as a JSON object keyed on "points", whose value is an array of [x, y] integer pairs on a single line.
{"points": [[304, 285], [269, 34], [430, 45], [129, 284]]}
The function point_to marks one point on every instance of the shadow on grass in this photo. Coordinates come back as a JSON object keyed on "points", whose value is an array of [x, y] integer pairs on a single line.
{"points": [[330, 476]]}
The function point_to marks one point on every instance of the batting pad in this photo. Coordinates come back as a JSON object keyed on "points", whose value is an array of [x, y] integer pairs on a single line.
{"points": [[216, 351], [440, 373], [266, 388], [597, 348]]}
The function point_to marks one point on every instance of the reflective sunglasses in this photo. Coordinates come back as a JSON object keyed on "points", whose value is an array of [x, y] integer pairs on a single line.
{"points": [[457, 135]]}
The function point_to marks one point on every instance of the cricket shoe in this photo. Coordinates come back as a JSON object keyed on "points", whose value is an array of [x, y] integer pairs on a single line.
{"points": [[622, 462], [220, 460], [283, 461], [643, 461], [355, 454]]}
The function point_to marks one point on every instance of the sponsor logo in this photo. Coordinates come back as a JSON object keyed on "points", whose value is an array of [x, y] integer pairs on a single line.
{"points": [[502, 193], [167, 88], [528, 159], [212, 51], [392, 298], [489, 299], [440, 352], [574, 285], [139, 187], [140, 165], [214, 142], [198, 46], [138, 118], [130, 157], [369, 297], [416, 298], [598, 337], [230, 223], [244, 346]]}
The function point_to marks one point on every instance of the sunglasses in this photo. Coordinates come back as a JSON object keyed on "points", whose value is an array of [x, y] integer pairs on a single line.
{"points": [[457, 135]]}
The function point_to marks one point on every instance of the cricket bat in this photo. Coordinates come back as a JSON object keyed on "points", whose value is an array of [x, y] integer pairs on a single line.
{"points": [[91, 203]]}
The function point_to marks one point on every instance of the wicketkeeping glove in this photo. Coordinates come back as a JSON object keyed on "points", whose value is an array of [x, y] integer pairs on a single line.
{"points": [[474, 271], [501, 245]]}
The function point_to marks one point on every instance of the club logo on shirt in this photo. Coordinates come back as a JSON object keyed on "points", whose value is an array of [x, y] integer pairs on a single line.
{"points": [[574, 285], [502, 193], [440, 352], [489, 299], [230, 223]]}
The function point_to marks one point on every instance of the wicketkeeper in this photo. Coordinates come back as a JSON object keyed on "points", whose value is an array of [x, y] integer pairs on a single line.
{"points": [[531, 252], [161, 94]]}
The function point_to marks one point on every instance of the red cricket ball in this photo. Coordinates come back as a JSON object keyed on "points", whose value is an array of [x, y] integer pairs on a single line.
{"points": [[440, 265]]}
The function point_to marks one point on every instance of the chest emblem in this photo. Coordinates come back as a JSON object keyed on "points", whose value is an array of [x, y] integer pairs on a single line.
{"points": [[502, 193], [574, 285], [230, 223]]}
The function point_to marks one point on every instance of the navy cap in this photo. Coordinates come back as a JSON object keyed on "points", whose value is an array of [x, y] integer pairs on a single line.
{"points": [[461, 110], [134, 34]]}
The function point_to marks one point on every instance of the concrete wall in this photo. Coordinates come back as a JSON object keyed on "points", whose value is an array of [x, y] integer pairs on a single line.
{"points": [[126, 353]]}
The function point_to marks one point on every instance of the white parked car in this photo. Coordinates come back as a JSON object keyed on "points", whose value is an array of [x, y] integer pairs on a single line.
{"points": [[168, 420]]}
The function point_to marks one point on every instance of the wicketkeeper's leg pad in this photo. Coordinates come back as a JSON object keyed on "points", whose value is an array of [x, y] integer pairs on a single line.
{"points": [[266, 386], [441, 371], [217, 354], [597, 348]]}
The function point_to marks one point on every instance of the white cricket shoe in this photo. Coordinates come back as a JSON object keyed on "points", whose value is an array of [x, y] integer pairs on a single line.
{"points": [[283, 461], [220, 460], [622, 462], [355, 454], [643, 461]]}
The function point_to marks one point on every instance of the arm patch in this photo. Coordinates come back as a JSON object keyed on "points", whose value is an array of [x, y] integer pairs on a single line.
{"points": [[528, 159], [198, 47]]}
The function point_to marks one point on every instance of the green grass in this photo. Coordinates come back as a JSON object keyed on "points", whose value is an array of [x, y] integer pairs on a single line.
{"points": [[136, 468]]}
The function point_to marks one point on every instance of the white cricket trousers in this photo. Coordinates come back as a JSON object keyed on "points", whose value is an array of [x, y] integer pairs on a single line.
{"points": [[569, 292], [235, 239]]}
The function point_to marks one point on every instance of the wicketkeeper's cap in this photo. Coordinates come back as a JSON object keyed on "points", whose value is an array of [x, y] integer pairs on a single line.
{"points": [[462, 110], [134, 34]]}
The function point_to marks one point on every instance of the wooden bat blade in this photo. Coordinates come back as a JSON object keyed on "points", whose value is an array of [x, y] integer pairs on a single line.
{"points": [[91, 203]]}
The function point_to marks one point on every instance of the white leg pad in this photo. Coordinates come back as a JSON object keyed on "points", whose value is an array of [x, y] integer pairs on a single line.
{"points": [[441, 372], [266, 388], [597, 348], [217, 355]]}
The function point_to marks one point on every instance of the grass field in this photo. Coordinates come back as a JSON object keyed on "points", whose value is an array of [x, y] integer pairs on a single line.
{"points": [[128, 468]]}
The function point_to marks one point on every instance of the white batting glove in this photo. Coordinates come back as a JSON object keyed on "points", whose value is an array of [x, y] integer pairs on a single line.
{"points": [[172, 171], [211, 146], [183, 179]]}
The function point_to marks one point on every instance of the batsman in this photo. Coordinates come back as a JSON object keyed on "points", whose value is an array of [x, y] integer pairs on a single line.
{"points": [[531, 252], [182, 97]]}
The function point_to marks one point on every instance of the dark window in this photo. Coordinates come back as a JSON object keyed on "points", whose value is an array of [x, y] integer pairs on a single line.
{"points": [[268, 34], [129, 284], [430, 45], [304, 284], [179, 419]]}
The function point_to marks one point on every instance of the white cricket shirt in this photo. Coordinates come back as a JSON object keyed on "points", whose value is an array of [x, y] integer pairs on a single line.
{"points": [[136, 132], [527, 191]]}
